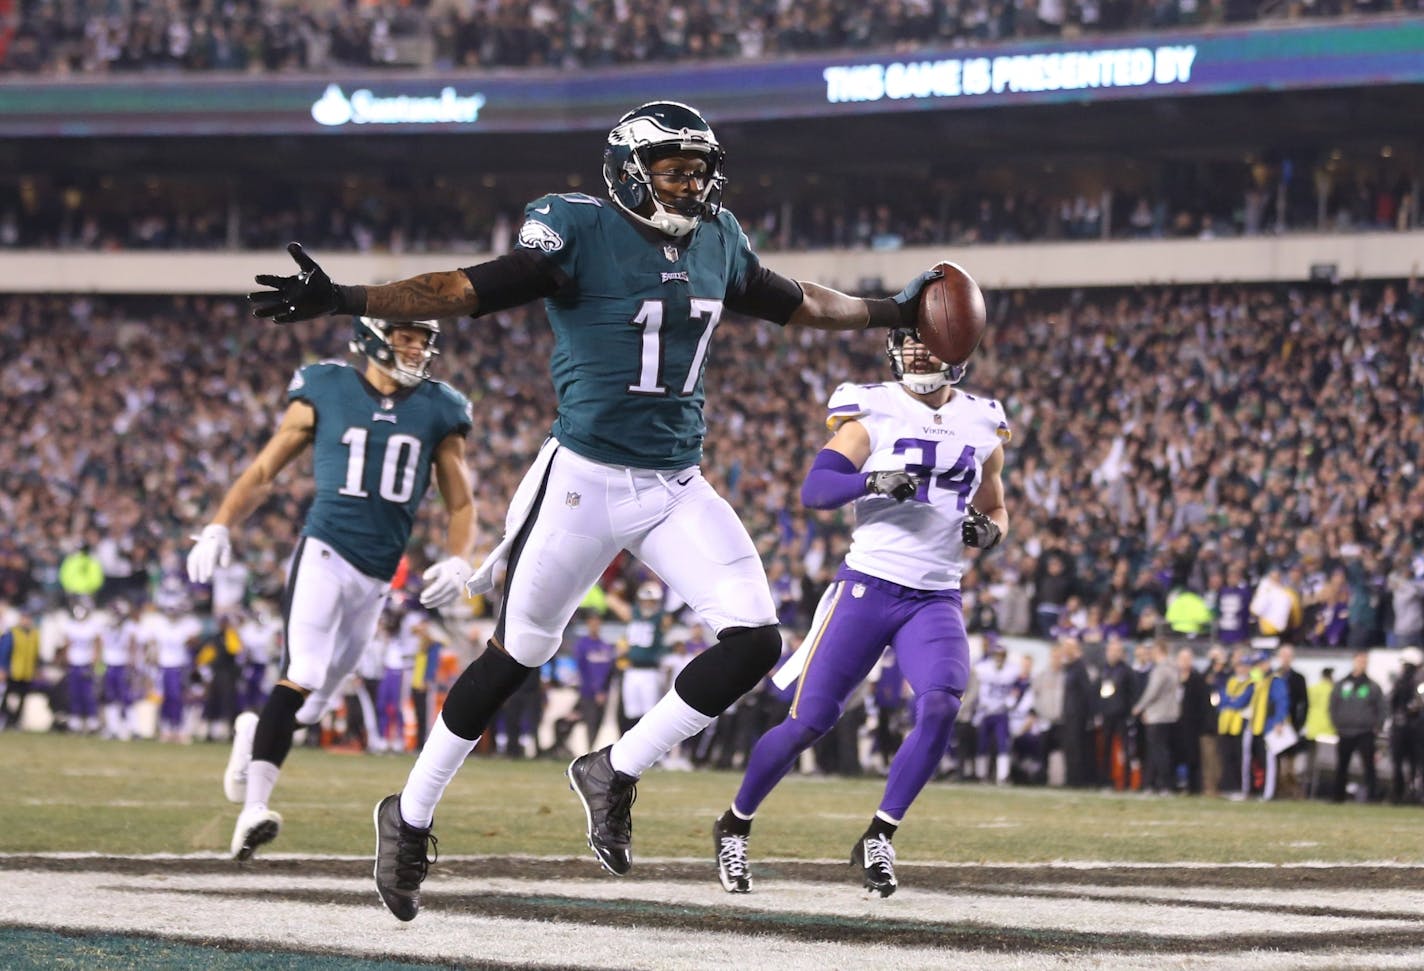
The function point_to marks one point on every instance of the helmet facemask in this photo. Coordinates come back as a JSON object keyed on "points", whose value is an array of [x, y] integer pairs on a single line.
{"points": [[918, 369], [373, 340], [640, 138]]}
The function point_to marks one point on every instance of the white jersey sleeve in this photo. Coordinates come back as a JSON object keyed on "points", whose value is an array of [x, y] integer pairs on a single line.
{"points": [[917, 543]]}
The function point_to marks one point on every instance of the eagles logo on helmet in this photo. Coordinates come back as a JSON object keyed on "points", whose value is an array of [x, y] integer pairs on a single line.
{"points": [[372, 338], [920, 382], [641, 137]]}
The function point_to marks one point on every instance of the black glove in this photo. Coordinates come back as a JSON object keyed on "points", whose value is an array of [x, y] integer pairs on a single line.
{"points": [[304, 296], [907, 301], [897, 485], [980, 531]]}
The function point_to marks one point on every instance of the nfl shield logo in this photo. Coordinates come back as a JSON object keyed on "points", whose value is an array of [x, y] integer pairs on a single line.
{"points": [[858, 591], [572, 500], [939, 419], [670, 251]]}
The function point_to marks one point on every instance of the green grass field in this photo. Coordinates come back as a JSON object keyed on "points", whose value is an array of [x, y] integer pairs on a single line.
{"points": [[65, 793]]}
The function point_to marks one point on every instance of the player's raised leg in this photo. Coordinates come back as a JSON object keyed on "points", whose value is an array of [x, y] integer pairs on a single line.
{"points": [[556, 556], [703, 552]]}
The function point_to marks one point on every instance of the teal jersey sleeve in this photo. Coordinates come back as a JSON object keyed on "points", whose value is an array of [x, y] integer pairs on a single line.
{"points": [[742, 263], [552, 226], [456, 409]]}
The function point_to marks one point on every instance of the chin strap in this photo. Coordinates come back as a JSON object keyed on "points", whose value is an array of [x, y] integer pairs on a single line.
{"points": [[925, 383], [664, 220]]}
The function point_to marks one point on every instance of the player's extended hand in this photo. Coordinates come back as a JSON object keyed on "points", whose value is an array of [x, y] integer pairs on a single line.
{"points": [[980, 531], [308, 294], [907, 301], [898, 485], [212, 548], [444, 581]]}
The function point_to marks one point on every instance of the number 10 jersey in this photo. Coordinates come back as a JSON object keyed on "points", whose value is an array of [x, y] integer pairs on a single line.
{"points": [[917, 543], [371, 456]]}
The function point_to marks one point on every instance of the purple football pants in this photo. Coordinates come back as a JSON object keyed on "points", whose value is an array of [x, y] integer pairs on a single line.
{"points": [[116, 685], [171, 711], [388, 708], [82, 702], [864, 614]]}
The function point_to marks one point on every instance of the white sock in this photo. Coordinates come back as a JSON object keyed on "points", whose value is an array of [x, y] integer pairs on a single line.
{"points": [[671, 721], [1002, 767], [261, 777], [441, 758]]}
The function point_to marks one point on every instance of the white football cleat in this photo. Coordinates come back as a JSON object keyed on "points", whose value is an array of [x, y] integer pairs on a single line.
{"points": [[235, 776], [256, 826]]}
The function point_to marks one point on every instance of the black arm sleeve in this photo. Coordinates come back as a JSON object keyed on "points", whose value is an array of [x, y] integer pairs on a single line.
{"points": [[513, 279], [766, 294]]}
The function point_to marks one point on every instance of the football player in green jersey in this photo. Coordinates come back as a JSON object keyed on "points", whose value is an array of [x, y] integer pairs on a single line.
{"points": [[634, 285], [376, 436]]}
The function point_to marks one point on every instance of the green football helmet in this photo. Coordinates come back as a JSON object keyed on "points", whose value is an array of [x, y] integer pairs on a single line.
{"points": [[372, 338], [644, 135]]}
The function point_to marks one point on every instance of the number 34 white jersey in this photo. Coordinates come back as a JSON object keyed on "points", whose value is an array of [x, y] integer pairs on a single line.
{"points": [[917, 543]]}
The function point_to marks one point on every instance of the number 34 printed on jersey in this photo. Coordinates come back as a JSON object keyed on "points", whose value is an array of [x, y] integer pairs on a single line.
{"points": [[960, 478]]}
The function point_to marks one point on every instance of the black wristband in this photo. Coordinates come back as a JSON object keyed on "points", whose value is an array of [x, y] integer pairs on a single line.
{"points": [[884, 312], [350, 300]]}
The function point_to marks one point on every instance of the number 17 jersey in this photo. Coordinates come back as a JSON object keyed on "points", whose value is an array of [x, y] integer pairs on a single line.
{"points": [[917, 543], [633, 325]]}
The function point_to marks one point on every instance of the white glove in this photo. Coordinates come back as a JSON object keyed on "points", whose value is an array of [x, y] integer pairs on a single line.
{"points": [[444, 581], [211, 550]]}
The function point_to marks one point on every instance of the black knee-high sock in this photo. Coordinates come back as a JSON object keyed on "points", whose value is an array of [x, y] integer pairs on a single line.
{"points": [[272, 738], [480, 691]]}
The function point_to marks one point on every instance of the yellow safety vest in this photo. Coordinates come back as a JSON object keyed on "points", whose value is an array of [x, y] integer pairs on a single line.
{"points": [[24, 653]]}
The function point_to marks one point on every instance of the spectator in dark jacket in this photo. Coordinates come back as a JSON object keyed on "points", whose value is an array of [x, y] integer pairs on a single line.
{"points": [[1079, 706], [1114, 708], [1196, 719], [1358, 709]]}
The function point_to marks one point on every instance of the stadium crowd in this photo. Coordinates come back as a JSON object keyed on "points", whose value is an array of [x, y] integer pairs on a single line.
{"points": [[408, 215], [1206, 463], [87, 36]]}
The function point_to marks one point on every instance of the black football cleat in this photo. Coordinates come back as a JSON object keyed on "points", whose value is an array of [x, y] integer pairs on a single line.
{"points": [[876, 857], [732, 867], [607, 796], [403, 858]]}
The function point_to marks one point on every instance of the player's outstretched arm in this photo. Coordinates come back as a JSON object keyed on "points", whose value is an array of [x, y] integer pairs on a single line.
{"points": [[213, 547], [445, 580], [823, 308], [311, 293]]}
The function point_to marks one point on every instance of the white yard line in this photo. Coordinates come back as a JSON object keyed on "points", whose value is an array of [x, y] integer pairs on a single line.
{"points": [[76, 900]]}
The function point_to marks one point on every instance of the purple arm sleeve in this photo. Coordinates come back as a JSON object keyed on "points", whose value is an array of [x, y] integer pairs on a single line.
{"points": [[833, 481]]}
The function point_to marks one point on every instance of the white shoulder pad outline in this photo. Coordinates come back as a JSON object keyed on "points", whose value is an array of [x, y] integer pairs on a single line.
{"points": [[847, 403]]}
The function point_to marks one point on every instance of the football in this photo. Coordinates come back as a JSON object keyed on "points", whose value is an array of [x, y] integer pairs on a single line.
{"points": [[951, 317]]}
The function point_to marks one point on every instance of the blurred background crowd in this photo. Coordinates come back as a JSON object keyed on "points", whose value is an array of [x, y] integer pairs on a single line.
{"points": [[65, 37], [1262, 194]]}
